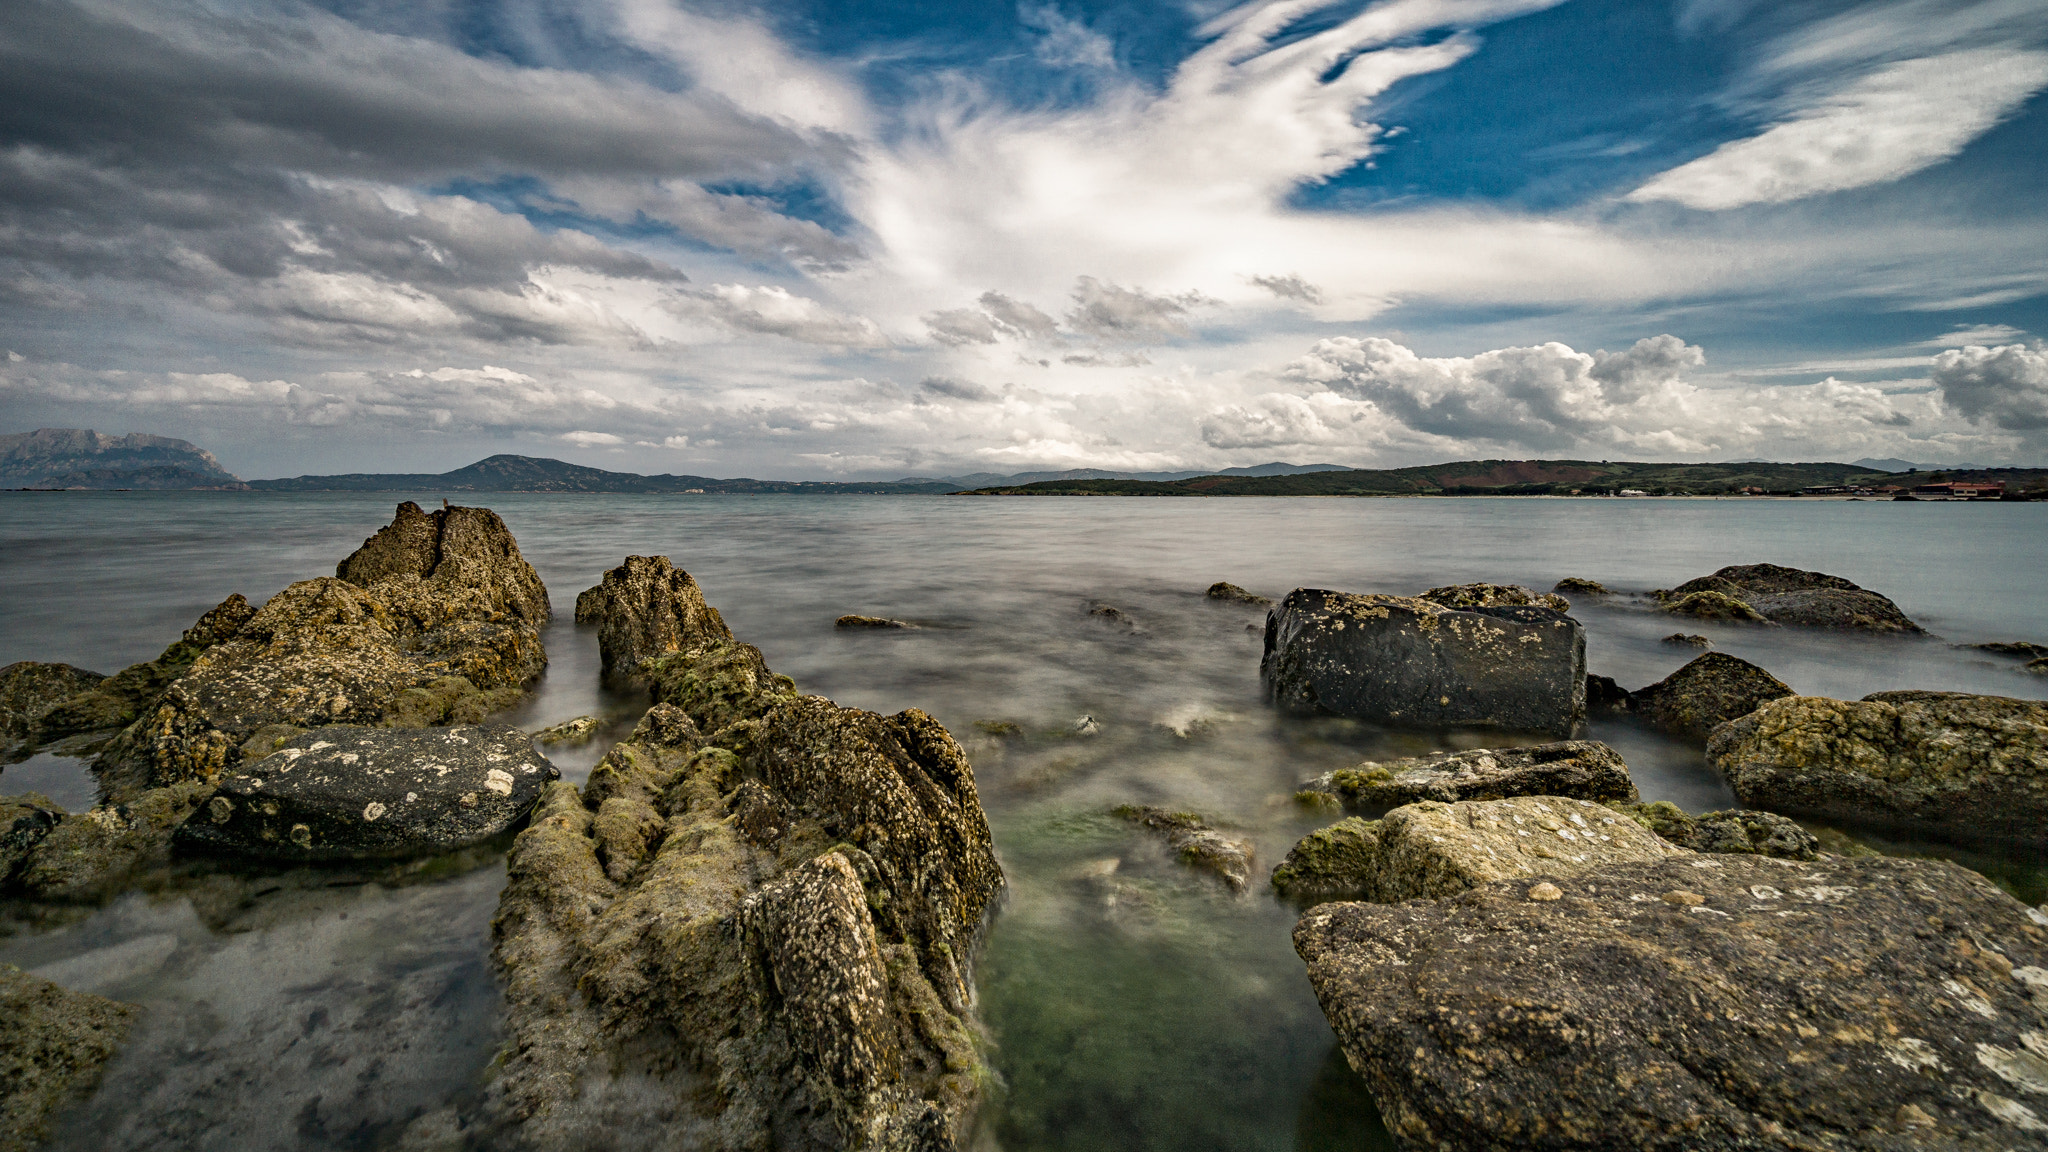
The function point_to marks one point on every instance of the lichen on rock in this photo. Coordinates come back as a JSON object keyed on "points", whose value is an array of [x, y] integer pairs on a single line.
{"points": [[1494, 596], [1704, 694], [1789, 596], [54, 1044], [1737, 830], [645, 608], [1226, 591], [1580, 769], [28, 690]]}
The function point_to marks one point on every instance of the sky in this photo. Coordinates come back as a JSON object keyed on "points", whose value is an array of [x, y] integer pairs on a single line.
{"points": [[893, 238]]}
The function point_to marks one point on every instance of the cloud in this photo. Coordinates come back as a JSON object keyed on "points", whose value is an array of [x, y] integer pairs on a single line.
{"points": [[775, 311], [2005, 386], [1653, 362], [1282, 420], [1106, 359], [958, 390], [1883, 126], [1111, 312], [1290, 288], [996, 317], [1962, 334], [1065, 42], [591, 439]]}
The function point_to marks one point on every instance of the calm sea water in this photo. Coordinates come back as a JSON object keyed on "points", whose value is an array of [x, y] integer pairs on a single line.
{"points": [[1130, 1004]]}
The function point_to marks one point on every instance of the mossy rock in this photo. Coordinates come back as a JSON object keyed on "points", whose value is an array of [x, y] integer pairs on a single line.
{"points": [[1334, 863]]}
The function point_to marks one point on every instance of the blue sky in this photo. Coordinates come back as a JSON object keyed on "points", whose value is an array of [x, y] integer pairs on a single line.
{"points": [[885, 239]]}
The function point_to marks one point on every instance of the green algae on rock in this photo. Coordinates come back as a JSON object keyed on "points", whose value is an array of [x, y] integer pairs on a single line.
{"points": [[1708, 604], [1333, 863], [1581, 769], [1943, 763], [54, 1043], [1704, 694], [1197, 844], [1581, 586], [1789, 596], [753, 927], [1494, 596], [116, 701], [28, 690]]}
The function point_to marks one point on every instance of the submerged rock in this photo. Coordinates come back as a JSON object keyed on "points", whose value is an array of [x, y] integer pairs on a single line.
{"points": [[352, 793], [89, 855], [754, 927], [1224, 590], [1416, 663], [1687, 640], [1696, 1003], [28, 690], [2020, 648], [1197, 844], [1494, 596], [1577, 585], [54, 1044], [434, 621], [1788, 596], [1580, 769], [577, 731], [1948, 763], [870, 622], [1706, 693], [1738, 830], [647, 607]]}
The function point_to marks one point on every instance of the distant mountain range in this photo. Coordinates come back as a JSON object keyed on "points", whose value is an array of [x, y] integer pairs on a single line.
{"points": [[82, 458], [1889, 464]]}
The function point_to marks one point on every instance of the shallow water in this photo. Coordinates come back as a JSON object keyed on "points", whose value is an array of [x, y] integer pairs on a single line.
{"points": [[1131, 1003]]}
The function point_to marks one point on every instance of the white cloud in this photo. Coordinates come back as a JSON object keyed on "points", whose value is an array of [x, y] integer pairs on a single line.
{"points": [[1111, 312], [776, 311], [2005, 386], [591, 439], [1065, 42], [1289, 288], [1962, 334]]}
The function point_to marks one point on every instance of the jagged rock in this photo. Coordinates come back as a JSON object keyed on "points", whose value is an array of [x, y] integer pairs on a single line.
{"points": [[1948, 763], [576, 731], [1581, 586], [28, 690], [24, 821], [870, 622], [89, 855], [1706, 693], [1704, 1004], [754, 926], [1687, 640], [352, 793], [54, 1043], [119, 700], [1738, 830], [436, 622], [1197, 844], [1712, 605], [1604, 695], [1415, 663], [1494, 596], [648, 607], [1789, 596], [1224, 590], [1581, 769], [1333, 863]]}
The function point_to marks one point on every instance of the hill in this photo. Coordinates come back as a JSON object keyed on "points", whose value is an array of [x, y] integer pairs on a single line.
{"points": [[82, 458], [508, 473]]}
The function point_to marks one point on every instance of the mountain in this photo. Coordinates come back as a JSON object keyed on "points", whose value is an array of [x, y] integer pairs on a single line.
{"points": [[988, 479], [1891, 465], [508, 473], [82, 458]]}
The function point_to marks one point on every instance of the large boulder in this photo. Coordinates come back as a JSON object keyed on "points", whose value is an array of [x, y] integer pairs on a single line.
{"points": [[1434, 850], [1789, 596], [116, 701], [753, 927], [1581, 769], [349, 792], [648, 607], [29, 689], [1706, 693], [435, 620], [1704, 1004], [1947, 763], [54, 1044], [1410, 662]]}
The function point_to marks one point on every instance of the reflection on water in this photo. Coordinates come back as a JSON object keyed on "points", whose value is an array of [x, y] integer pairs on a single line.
{"points": [[1131, 1003]]}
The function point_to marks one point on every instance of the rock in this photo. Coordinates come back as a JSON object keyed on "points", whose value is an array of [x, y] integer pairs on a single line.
{"points": [[2038, 667], [1789, 596], [752, 928], [1197, 844], [1709, 605], [870, 622], [1687, 640], [1737, 830], [436, 622], [645, 608], [1581, 769], [1494, 596], [2020, 648], [1333, 863], [87, 856], [1769, 1005], [1224, 590], [28, 690], [1706, 693], [119, 700], [354, 793], [1435, 850], [1604, 695], [1111, 614], [54, 1044], [24, 821], [1946, 763], [1415, 663], [577, 731], [1580, 586]]}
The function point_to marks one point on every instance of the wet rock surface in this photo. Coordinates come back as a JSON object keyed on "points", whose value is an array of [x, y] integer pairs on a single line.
{"points": [[87, 856], [1197, 844], [54, 1043], [348, 792], [1788, 596], [1333, 863], [851, 621], [1687, 640], [1579, 586], [1604, 695], [28, 690], [1706, 693], [576, 731], [648, 607], [753, 927], [1968, 767], [1494, 596], [1225, 590], [1738, 830], [1868, 1003], [1411, 662], [1581, 769]]}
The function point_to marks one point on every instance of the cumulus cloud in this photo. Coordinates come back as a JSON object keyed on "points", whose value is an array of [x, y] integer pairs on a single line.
{"points": [[2005, 386], [1652, 363], [1109, 311], [1283, 420], [776, 311]]}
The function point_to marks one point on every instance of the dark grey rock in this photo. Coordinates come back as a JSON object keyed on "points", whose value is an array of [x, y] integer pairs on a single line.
{"points": [[1604, 695], [1580, 586], [1706, 693], [2020, 648], [1687, 640], [1789, 596], [1579, 769], [29, 689], [24, 821], [1414, 663], [348, 792], [851, 621], [1494, 596], [1704, 1004]]}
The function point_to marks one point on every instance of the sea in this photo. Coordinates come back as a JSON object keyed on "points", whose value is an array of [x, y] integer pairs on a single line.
{"points": [[1129, 1002]]}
